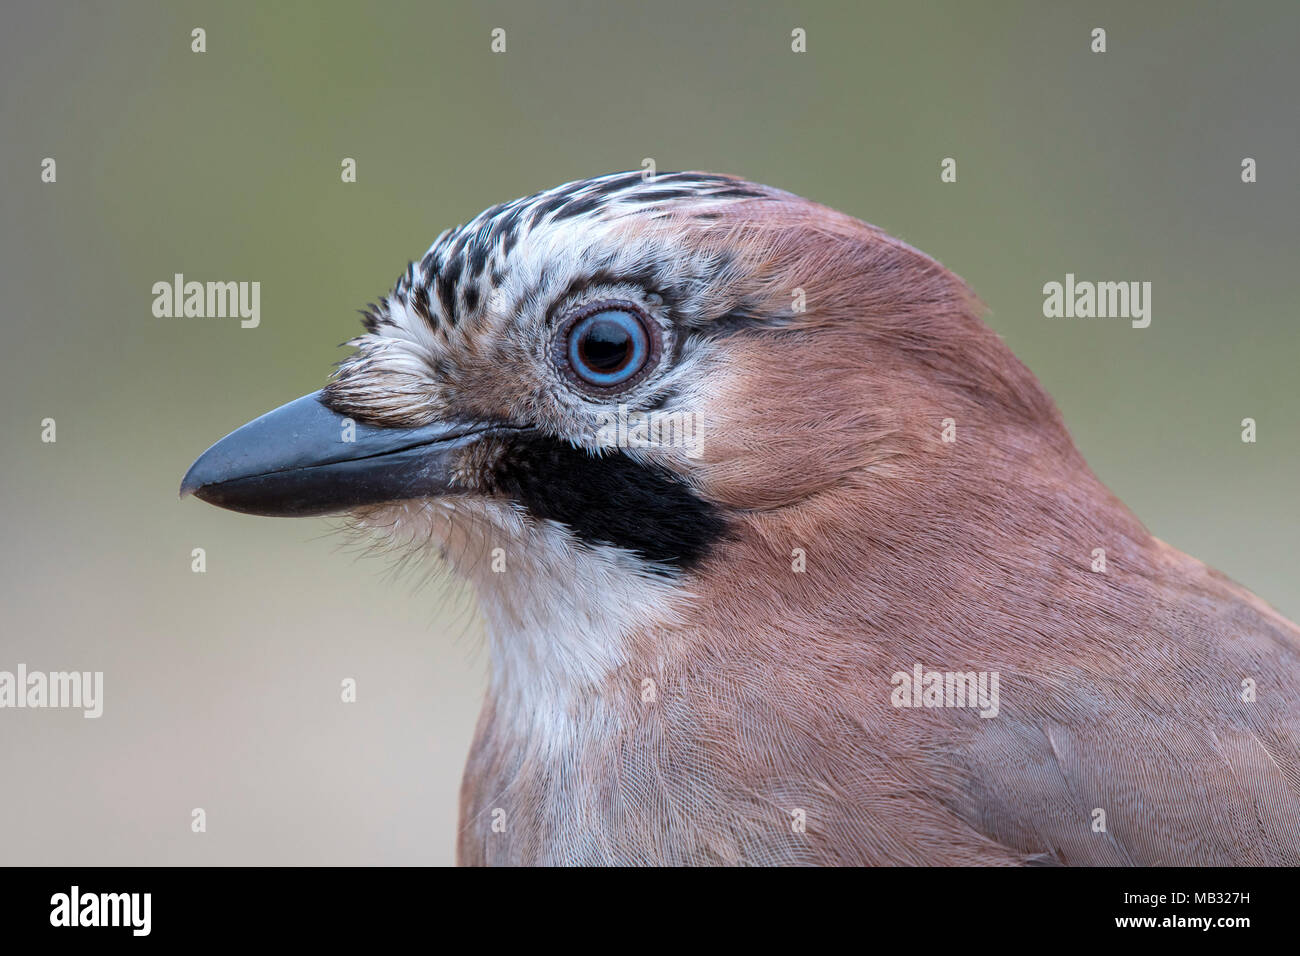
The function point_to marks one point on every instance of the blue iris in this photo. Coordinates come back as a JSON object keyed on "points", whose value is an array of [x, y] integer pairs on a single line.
{"points": [[608, 348]]}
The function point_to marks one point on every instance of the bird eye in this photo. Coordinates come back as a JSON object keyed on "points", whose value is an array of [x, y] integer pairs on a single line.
{"points": [[608, 348]]}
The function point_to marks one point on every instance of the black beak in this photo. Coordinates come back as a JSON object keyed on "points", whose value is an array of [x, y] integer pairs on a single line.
{"points": [[304, 459]]}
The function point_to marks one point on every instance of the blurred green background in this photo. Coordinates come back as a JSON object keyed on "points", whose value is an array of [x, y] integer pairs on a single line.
{"points": [[222, 689]]}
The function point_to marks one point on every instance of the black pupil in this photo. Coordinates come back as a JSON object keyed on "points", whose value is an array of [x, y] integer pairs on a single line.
{"points": [[606, 346]]}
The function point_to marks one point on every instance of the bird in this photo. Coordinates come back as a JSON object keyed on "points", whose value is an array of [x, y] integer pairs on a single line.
{"points": [[740, 482]]}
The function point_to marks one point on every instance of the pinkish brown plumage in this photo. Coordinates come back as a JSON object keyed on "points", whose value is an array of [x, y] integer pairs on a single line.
{"points": [[696, 646]]}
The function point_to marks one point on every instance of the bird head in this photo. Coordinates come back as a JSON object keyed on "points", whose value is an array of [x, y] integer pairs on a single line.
{"points": [[604, 400]]}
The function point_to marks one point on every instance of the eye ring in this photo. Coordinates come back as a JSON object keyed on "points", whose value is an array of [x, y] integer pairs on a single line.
{"points": [[607, 346]]}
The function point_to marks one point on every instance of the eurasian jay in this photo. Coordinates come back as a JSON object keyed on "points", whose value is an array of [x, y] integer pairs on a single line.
{"points": [[783, 557]]}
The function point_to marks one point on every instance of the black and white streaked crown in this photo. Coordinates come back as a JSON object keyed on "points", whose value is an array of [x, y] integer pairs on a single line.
{"points": [[449, 279]]}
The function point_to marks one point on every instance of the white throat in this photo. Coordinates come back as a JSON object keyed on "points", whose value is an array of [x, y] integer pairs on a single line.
{"points": [[560, 617]]}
